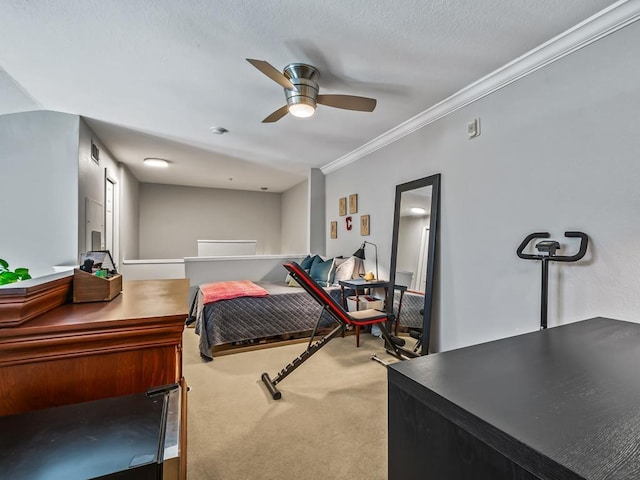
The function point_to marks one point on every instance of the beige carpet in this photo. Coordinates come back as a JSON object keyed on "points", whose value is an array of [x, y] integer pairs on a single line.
{"points": [[331, 422]]}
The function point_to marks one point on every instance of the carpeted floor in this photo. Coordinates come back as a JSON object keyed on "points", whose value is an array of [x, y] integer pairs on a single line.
{"points": [[331, 422]]}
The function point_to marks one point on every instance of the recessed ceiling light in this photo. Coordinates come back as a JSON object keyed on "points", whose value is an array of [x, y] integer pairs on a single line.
{"points": [[218, 130], [418, 210], [156, 162]]}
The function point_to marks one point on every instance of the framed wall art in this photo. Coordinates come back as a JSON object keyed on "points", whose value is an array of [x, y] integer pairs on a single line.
{"points": [[343, 206], [353, 203], [364, 225], [334, 229]]}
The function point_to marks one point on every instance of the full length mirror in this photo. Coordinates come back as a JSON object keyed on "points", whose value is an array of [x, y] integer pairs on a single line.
{"points": [[413, 256]]}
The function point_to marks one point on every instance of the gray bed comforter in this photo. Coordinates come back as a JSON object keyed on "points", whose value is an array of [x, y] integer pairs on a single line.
{"points": [[286, 310]]}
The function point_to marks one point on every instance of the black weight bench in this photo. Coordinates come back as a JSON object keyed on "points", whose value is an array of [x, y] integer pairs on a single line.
{"points": [[342, 318]]}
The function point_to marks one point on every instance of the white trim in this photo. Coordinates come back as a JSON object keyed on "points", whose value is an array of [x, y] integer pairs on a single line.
{"points": [[153, 261], [603, 23], [244, 257], [227, 241]]}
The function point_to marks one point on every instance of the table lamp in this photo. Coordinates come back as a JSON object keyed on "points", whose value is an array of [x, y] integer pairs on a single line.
{"points": [[360, 254]]}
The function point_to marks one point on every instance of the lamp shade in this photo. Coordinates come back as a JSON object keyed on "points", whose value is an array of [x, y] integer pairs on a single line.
{"points": [[301, 110], [360, 253]]}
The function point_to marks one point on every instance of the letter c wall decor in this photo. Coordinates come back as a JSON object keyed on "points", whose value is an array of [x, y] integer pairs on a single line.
{"points": [[348, 221]]}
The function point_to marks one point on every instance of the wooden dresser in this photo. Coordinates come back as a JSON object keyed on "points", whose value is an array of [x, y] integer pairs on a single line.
{"points": [[561, 403], [80, 352]]}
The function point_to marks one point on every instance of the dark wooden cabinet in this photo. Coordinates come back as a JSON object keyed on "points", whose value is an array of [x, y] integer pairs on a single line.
{"points": [[90, 351], [561, 403]]}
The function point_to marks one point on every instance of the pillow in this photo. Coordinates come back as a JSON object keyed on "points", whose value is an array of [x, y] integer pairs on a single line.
{"points": [[337, 261], [345, 270], [306, 263], [320, 272]]}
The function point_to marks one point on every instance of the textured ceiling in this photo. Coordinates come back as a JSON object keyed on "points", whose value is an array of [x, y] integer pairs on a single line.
{"points": [[152, 76]]}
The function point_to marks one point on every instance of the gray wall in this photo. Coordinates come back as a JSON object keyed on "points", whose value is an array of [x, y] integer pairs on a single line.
{"points": [[91, 178], [129, 214], [39, 214], [295, 218], [558, 151], [318, 225], [173, 218]]}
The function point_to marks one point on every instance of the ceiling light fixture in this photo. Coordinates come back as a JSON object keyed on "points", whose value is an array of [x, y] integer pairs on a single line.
{"points": [[301, 110], [218, 130], [156, 162], [418, 210]]}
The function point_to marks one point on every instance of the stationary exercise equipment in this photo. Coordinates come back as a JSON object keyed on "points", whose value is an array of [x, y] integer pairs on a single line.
{"points": [[343, 319], [548, 249]]}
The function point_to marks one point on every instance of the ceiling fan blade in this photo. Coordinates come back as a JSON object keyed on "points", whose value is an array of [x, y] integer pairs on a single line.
{"points": [[348, 102], [277, 115], [271, 72]]}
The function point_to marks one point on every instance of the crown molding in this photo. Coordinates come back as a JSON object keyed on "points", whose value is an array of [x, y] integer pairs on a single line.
{"points": [[603, 23]]}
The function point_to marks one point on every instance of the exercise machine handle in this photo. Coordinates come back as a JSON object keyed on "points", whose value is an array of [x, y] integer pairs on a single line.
{"points": [[526, 241], [584, 242], [582, 250]]}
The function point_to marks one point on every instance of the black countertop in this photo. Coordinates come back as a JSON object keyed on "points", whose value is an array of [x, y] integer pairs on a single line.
{"points": [[562, 402]]}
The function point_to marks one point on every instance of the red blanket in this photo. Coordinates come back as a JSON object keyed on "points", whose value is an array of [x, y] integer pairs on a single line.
{"points": [[216, 291]]}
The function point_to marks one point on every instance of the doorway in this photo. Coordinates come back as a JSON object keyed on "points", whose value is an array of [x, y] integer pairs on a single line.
{"points": [[111, 219]]}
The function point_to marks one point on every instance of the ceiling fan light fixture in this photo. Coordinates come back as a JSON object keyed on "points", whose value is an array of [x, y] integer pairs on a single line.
{"points": [[418, 210], [301, 110], [156, 162]]}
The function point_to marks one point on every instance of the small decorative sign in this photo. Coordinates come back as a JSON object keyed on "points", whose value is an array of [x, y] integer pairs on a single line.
{"points": [[364, 225], [343, 206], [334, 229], [353, 203]]}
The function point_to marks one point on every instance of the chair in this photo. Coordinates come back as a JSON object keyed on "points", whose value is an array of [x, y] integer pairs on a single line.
{"points": [[343, 318]]}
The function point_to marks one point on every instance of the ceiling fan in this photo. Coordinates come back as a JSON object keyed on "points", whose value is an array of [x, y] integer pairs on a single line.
{"points": [[301, 89]]}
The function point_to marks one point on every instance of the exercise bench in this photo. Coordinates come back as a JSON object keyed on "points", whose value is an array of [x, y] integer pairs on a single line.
{"points": [[343, 319]]}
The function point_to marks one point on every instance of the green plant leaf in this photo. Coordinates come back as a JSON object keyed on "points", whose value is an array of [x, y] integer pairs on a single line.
{"points": [[9, 277]]}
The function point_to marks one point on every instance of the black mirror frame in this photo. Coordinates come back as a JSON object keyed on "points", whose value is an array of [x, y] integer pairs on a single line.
{"points": [[434, 182]]}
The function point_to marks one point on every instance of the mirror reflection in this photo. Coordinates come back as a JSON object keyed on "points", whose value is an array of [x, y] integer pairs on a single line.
{"points": [[413, 239], [413, 257]]}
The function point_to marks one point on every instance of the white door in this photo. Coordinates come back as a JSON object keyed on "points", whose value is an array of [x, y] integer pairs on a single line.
{"points": [[111, 219]]}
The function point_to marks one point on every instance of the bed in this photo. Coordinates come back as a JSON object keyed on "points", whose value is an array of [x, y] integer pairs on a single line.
{"points": [[285, 311], [412, 303]]}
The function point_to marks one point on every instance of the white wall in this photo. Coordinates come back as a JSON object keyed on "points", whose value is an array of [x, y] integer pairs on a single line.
{"points": [[39, 213], [173, 218], [559, 150], [411, 228], [295, 218]]}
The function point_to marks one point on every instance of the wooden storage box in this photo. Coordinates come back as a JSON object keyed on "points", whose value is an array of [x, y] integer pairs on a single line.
{"points": [[89, 288]]}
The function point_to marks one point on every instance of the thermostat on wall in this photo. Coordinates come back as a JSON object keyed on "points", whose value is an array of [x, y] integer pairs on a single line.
{"points": [[473, 128]]}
